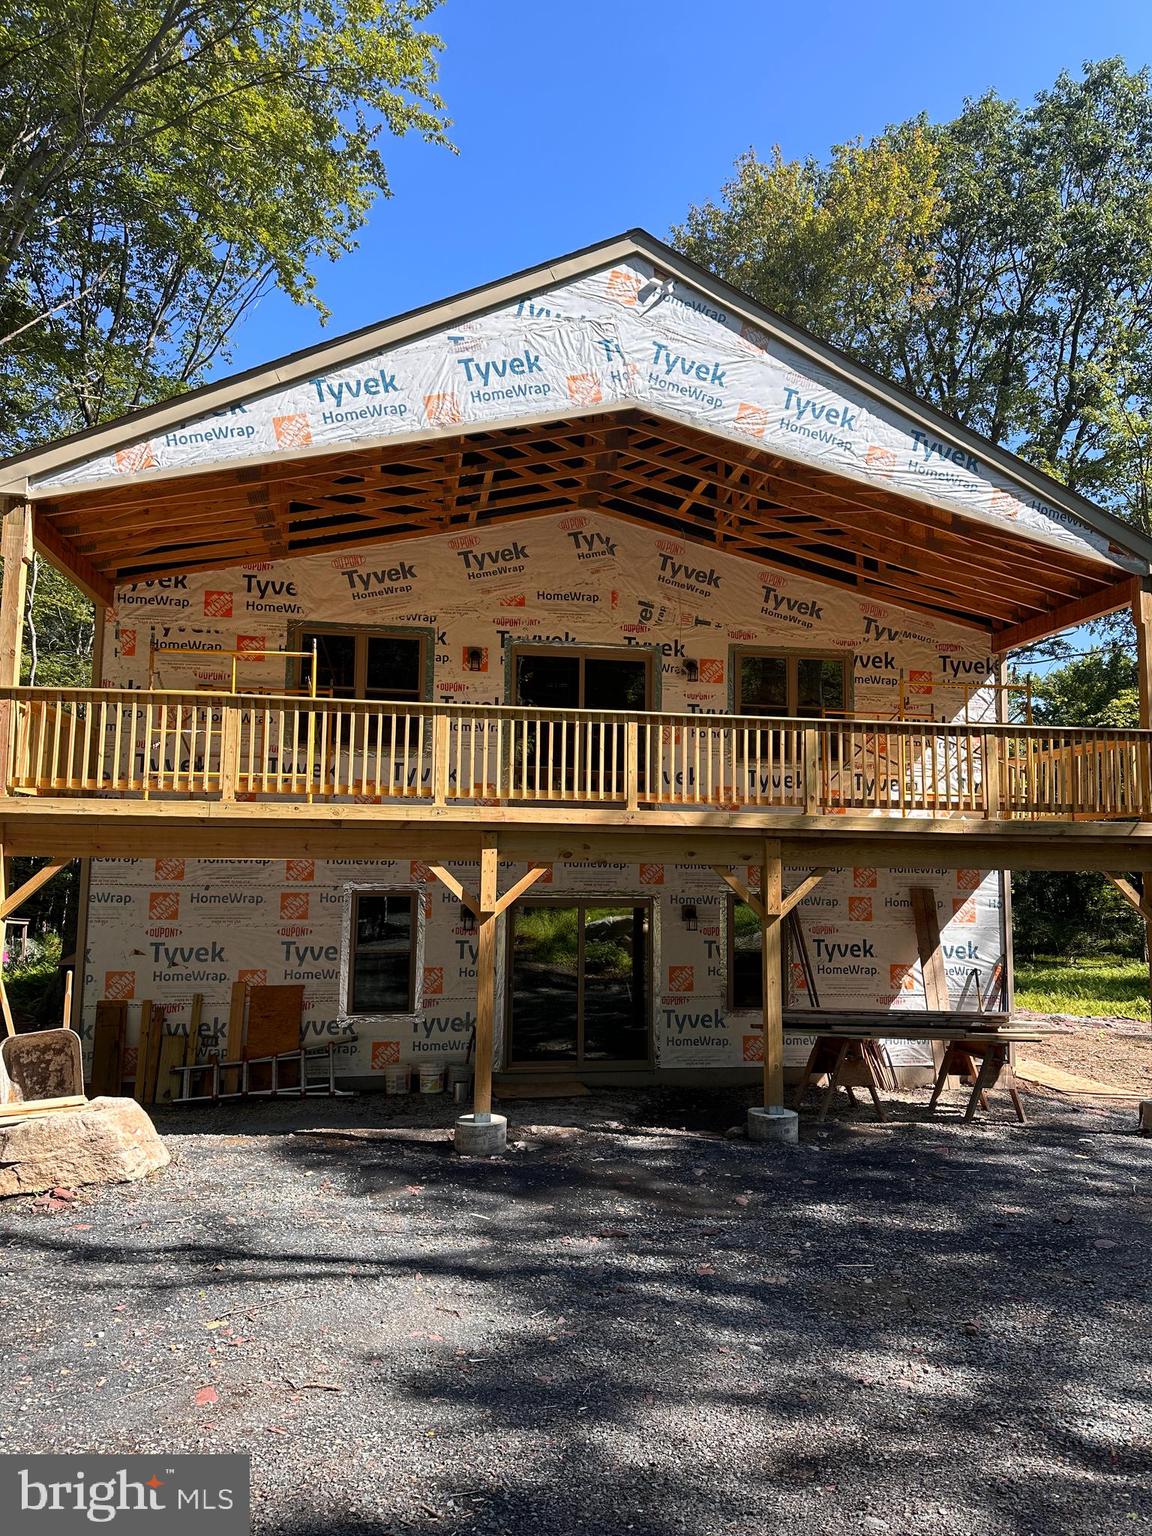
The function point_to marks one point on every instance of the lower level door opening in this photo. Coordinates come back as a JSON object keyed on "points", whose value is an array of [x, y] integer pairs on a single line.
{"points": [[578, 983]]}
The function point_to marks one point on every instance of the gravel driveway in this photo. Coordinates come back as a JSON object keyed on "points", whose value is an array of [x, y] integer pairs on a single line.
{"points": [[920, 1327]]}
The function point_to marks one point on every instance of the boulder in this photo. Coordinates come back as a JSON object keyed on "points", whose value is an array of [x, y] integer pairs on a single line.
{"points": [[109, 1141]]}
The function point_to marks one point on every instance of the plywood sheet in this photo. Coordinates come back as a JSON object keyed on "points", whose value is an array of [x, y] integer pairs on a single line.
{"points": [[274, 1019]]}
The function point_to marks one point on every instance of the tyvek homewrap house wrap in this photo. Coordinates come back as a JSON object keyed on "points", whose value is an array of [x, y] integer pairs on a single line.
{"points": [[584, 337]]}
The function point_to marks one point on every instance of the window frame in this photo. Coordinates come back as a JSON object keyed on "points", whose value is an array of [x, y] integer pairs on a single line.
{"points": [[792, 656], [360, 635], [346, 1014], [584, 653], [580, 901]]}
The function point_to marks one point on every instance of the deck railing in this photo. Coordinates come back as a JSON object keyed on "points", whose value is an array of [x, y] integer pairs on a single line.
{"points": [[129, 743]]}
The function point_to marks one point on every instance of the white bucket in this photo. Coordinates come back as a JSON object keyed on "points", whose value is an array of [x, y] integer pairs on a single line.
{"points": [[398, 1080], [431, 1079]]}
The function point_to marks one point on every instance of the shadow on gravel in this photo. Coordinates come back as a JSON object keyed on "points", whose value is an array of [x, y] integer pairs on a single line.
{"points": [[869, 1304], [917, 1327]]}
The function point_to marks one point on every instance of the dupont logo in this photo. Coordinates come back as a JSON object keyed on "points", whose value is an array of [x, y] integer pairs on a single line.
{"points": [[300, 870], [860, 909], [902, 978], [880, 458], [651, 874], [711, 669], [433, 981], [130, 461], [624, 286], [294, 906], [963, 910], [681, 978], [252, 979], [419, 872], [969, 879], [168, 870], [669, 547], [119, 985], [753, 1048], [751, 419], [442, 409], [348, 562], [253, 646], [127, 642], [218, 605], [584, 389], [292, 431], [573, 524], [164, 906], [385, 1053], [464, 541], [864, 879]]}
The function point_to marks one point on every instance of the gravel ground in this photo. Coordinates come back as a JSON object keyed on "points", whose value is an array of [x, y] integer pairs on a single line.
{"points": [[1114, 1051], [630, 1324]]}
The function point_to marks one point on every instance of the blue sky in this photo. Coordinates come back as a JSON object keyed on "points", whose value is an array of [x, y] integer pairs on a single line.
{"points": [[574, 122]]}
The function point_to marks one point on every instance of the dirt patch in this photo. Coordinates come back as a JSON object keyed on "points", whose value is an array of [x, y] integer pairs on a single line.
{"points": [[1122, 1058]]}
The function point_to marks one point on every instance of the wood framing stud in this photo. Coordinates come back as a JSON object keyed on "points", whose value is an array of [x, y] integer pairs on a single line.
{"points": [[772, 969]]}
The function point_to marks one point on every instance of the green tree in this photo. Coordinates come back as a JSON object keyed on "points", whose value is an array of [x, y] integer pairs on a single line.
{"points": [[163, 162], [998, 266]]}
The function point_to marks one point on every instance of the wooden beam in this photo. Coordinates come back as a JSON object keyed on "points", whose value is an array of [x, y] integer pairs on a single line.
{"points": [[1137, 901], [5, 1006], [486, 977], [16, 553], [9, 904], [1094, 606], [524, 883], [734, 883], [772, 969], [928, 944], [458, 889], [805, 888], [79, 570]]}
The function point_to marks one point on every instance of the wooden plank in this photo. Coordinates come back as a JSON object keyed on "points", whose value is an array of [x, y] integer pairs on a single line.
{"points": [[31, 886], [771, 963], [108, 1048], [148, 1052], [192, 1040], [928, 945], [172, 1050], [275, 1016], [803, 890], [30, 1108], [16, 553], [235, 1041]]}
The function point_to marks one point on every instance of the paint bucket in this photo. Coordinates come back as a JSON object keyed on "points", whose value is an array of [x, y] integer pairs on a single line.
{"points": [[459, 1074], [398, 1080], [431, 1079]]}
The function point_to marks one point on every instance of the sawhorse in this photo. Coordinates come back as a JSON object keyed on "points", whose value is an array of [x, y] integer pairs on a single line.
{"points": [[960, 1058]]}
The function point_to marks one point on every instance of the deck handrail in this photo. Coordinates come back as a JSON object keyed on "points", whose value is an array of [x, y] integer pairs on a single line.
{"points": [[130, 742]]}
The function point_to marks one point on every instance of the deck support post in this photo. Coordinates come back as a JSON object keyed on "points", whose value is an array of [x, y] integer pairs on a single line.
{"points": [[1142, 619], [16, 553], [771, 961]]}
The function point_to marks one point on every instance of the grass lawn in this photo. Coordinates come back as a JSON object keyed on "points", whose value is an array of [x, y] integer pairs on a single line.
{"points": [[1098, 988]]}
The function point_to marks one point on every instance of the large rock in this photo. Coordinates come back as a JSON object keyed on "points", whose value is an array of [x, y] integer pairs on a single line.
{"points": [[109, 1141]]}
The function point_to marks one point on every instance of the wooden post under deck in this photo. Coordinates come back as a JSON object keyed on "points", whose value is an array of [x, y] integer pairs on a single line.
{"points": [[485, 976], [16, 552], [771, 928], [1142, 618]]}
